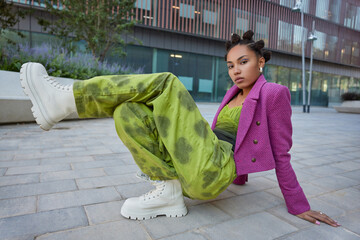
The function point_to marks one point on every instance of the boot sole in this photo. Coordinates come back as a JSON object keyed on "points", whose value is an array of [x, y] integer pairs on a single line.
{"points": [[37, 109], [168, 212]]}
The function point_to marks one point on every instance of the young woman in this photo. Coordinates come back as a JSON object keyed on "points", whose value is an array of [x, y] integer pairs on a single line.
{"points": [[171, 142]]}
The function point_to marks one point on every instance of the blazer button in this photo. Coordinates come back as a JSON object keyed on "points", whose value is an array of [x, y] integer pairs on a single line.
{"points": [[258, 123], [255, 141], [253, 159]]}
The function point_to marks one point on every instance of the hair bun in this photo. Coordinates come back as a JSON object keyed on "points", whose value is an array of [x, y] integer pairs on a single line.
{"points": [[267, 55], [235, 38], [259, 44], [248, 35]]}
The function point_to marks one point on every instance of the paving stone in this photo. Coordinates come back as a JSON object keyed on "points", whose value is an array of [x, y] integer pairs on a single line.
{"points": [[25, 237], [314, 161], [66, 160], [262, 174], [188, 235], [72, 174], [7, 155], [112, 156], [134, 189], [128, 161], [297, 164], [347, 199], [89, 152], [323, 232], [33, 189], [343, 157], [329, 209], [118, 148], [63, 149], [97, 164], [224, 195], [105, 154], [347, 165], [248, 203], [31, 146], [38, 155], [105, 181], [256, 226], [76, 198], [6, 164], [253, 185], [40, 223], [333, 183], [17, 206], [19, 179], [309, 189], [110, 231], [322, 171], [313, 190], [310, 155], [352, 155], [281, 212], [198, 216], [104, 212], [353, 175], [351, 221], [328, 150], [37, 169], [7, 147], [316, 205], [117, 170]]}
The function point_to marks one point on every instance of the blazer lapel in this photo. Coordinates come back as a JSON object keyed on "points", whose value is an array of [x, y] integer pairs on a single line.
{"points": [[248, 111]]}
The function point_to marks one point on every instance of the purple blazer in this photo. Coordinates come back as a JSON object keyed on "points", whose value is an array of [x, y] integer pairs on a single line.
{"points": [[264, 139]]}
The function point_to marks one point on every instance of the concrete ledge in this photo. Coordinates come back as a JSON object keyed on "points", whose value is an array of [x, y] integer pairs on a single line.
{"points": [[15, 106], [349, 107]]}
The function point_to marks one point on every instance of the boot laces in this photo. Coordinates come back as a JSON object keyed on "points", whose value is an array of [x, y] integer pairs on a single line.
{"points": [[155, 193], [58, 85]]}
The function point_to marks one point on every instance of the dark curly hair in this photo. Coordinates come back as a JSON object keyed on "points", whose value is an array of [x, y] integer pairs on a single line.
{"points": [[247, 40]]}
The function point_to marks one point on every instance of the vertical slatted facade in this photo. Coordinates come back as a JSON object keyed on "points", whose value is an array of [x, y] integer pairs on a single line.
{"points": [[278, 25], [271, 20]]}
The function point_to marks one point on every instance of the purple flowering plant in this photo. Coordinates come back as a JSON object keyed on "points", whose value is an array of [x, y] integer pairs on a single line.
{"points": [[59, 62]]}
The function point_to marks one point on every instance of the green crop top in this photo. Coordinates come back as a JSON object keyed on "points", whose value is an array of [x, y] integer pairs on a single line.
{"points": [[227, 124]]}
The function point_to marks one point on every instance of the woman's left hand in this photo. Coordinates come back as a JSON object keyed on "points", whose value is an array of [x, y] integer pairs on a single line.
{"points": [[315, 217]]}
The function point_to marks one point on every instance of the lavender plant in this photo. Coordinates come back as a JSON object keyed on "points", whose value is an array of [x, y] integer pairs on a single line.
{"points": [[59, 62]]}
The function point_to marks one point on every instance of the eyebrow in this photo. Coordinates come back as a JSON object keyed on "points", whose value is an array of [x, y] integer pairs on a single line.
{"points": [[236, 59]]}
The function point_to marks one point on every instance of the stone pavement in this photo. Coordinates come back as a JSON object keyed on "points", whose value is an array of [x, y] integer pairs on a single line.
{"points": [[70, 183]]}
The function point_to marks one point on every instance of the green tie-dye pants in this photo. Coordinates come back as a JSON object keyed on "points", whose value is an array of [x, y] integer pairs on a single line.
{"points": [[157, 119]]}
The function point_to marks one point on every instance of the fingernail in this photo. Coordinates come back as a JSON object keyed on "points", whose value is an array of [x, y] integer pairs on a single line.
{"points": [[317, 222]]}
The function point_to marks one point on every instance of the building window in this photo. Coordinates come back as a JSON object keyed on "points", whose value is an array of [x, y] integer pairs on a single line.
{"points": [[143, 4], [328, 10], [298, 35], [319, 45], [346, 48], [355, 58], [284, 36], [187, 11], [262, 29], [330, 47], [352, 16], [40, 3], [242, 21], [291, 4], [210, 17]]}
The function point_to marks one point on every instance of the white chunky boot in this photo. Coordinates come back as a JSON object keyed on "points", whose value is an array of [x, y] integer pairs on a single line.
{"points": [[51, 100], [167, 199]]}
